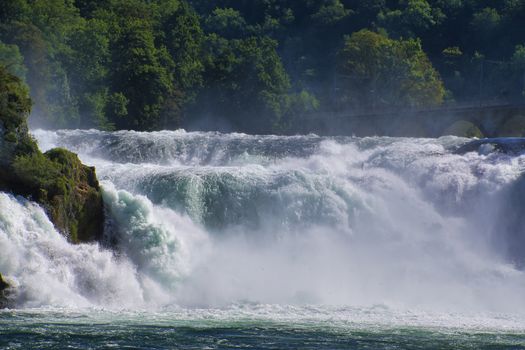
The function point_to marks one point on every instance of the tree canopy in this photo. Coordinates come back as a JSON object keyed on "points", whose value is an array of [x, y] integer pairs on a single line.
{"points": [[379, 71], [257, 65]]}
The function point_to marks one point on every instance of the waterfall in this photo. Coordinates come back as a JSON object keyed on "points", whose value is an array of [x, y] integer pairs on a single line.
{"points": [[210, 219]]}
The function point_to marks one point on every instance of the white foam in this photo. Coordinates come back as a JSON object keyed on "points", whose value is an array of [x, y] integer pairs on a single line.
{"points": [[46, 270], [305, 220]]}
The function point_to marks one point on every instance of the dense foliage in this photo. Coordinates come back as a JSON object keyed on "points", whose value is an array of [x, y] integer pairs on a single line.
{"points": [[256, 65], [388, 72], [15, 106]]}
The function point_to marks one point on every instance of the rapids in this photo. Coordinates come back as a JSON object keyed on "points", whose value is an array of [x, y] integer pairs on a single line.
{"points": [[210, 220]]}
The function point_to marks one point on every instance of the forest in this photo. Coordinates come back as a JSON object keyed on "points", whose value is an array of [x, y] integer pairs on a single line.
{"points": [[257, 65]]}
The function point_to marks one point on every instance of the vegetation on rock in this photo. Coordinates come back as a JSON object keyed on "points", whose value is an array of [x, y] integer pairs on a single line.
{"points": [[67, 189]]}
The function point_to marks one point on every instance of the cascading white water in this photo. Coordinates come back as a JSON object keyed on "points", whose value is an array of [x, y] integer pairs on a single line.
{"points": [[47, 270], [213, 219]]}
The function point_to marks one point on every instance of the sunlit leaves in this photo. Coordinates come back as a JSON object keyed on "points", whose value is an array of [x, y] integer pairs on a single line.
{"points": [[377, 71]]}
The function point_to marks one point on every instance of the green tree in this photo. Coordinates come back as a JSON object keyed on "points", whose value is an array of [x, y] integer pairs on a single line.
{"points": [[14, 10], [331, 12], [382, 72], [226, 22], [15, 103], [413, 18], [139, 75], [13, 60], [485, 27], [34, 49], [246, 82], [294, 108], [87, 65], [42, 30], [183, 39], [486, 20]]}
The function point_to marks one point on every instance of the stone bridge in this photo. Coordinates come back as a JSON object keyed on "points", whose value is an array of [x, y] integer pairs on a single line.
{"points": [[492, 120]]}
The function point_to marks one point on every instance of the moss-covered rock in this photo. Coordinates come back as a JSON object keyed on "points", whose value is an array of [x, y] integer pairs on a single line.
{"points": [[67, 189]]}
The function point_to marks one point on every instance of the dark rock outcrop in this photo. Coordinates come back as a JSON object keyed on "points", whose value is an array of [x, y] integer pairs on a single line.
{"points": [[3, 284], [4, 287], [508, 145], [57, 180]]}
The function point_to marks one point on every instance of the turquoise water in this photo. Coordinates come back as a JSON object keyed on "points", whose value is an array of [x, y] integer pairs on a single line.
{"points": [[55, 329]]}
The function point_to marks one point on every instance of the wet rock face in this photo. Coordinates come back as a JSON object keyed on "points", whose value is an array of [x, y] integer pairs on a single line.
{"points": [[57, 180], [75, 200], [4, 302], [3, 284]]}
